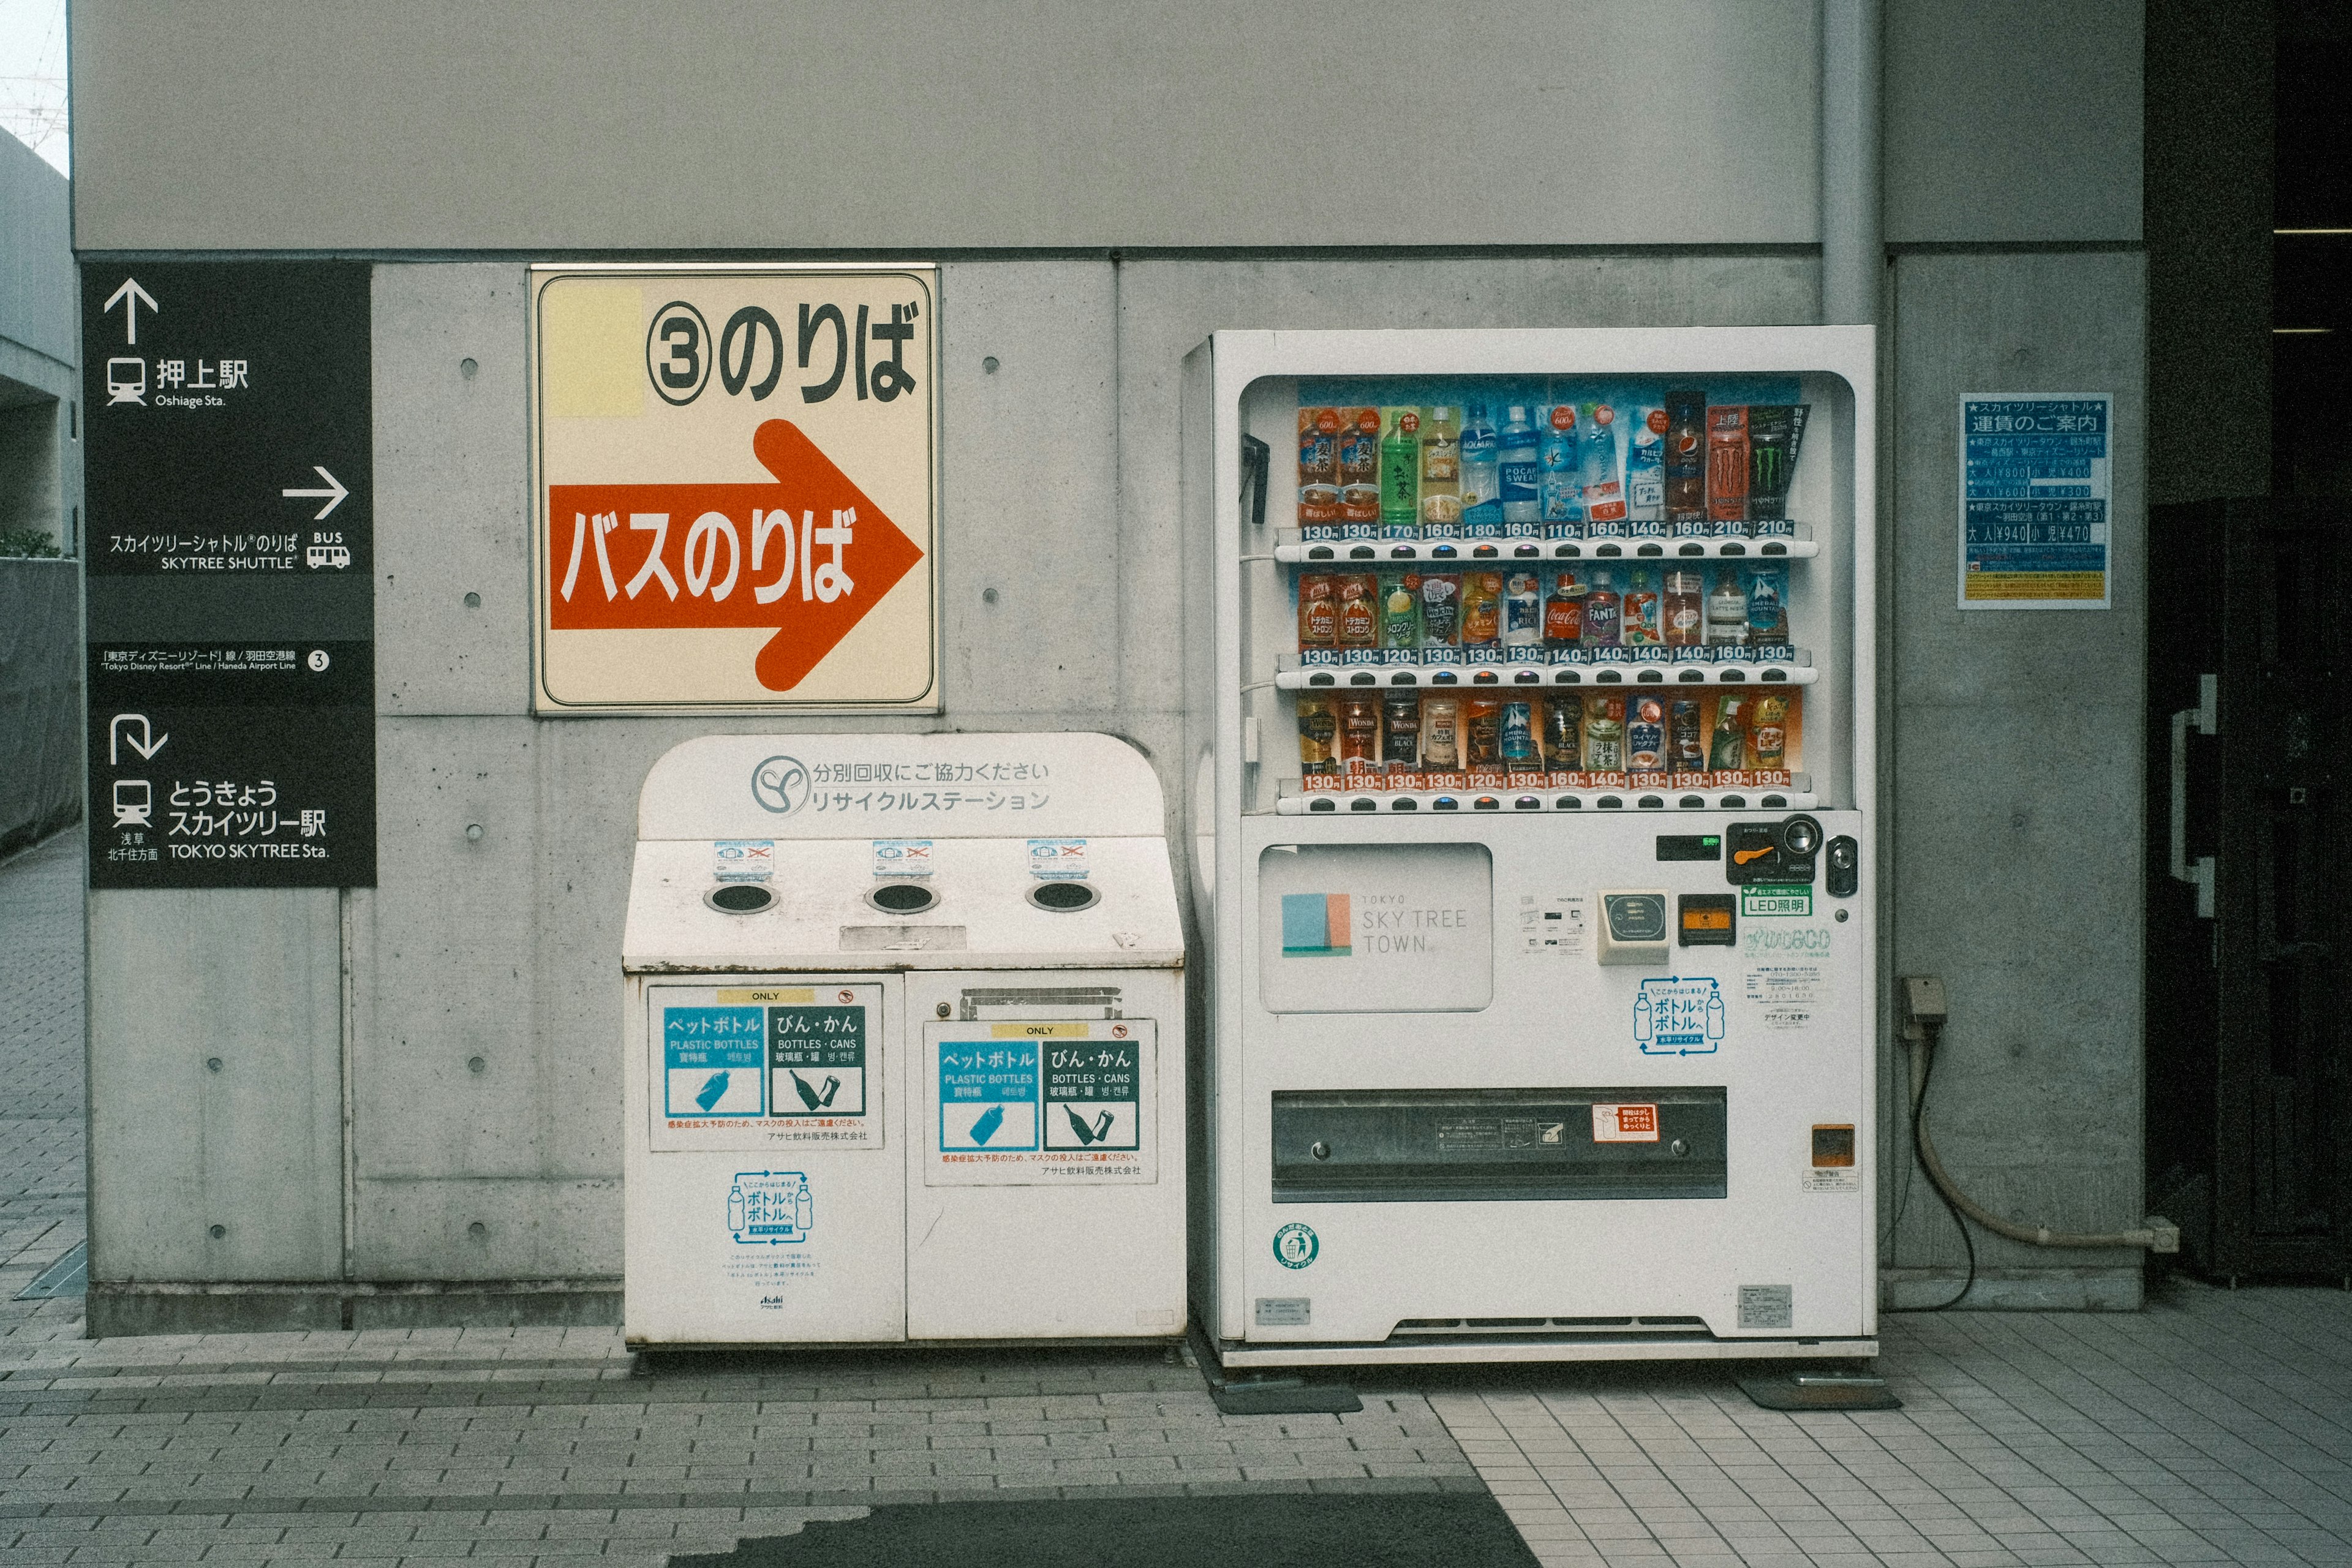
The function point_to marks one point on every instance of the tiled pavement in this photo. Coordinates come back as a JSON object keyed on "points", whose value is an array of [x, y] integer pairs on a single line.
{"points": [[2215, 1427]]}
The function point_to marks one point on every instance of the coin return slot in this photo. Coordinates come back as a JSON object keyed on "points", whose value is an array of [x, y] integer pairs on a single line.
{"points": [[903, 898], [1065, 898], [740, 898]]}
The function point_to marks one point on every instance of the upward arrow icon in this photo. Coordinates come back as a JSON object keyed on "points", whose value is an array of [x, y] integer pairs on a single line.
{"points": [[130, 297]]}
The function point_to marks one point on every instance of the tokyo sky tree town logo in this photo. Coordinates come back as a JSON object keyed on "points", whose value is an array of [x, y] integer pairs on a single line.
{"points": [[781, 784]]}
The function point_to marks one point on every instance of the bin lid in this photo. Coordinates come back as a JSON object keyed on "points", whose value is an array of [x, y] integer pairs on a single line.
{"points": [[766, 853]]}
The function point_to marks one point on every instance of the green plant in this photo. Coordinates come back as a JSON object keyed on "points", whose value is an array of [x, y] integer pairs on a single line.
{"points": [[34, 542]]}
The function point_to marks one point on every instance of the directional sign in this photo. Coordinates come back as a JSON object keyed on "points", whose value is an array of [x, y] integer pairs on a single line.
{"points": [[736, 482], [229, 567]]}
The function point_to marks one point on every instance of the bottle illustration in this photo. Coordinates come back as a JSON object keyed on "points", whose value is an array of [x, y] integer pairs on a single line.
{"points": [[735, 1207], [1642, 1029], [1714, 1014], [803, 1208]]}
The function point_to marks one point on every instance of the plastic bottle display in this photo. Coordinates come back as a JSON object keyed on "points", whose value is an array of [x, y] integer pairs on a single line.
{"points": [[1441, 611], [1522, 474], [1564, 613], [1601, 626], [1482, 614], [1523, 612], [1686, 463], [1645, 472], [1604, 490], [1685, 609], [1400, 607], [1637, 625], [1560, 480], [1440, 474], [1318, 467], [1359, 465], [1645, 733], [1359, 625], [1482, 477], [1605, 468], [1727, 612], [1401, 474], [1768, 609], [1595, 739], [1604, 733], [1318, 617]]}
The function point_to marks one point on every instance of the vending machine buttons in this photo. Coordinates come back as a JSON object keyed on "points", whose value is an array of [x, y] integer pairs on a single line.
{"points": [[1633, 927], [1707, 920]]}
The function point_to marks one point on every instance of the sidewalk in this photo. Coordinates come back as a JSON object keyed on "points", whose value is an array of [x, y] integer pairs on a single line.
{"points": [[2214, 1428]]}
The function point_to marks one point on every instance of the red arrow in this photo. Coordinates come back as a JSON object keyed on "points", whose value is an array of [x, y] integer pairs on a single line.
{"points": [[808, 555]]}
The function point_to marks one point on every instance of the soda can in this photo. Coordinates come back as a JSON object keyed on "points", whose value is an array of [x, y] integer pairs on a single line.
{"points": [[1519, 737]]}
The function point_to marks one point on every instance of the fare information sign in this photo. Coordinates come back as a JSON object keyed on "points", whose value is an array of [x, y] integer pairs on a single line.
{"points": [[735, 472], [2035, 493]]}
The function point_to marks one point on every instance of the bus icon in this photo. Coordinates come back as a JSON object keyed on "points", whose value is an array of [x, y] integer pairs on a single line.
{"points": [[335, 555]]}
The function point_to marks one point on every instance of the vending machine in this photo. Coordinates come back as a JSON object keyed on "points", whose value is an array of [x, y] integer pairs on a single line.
{"points": [[1529, 700]]}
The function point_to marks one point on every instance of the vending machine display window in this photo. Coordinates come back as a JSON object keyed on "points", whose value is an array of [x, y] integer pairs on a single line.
{"points": [[1529, 674]]}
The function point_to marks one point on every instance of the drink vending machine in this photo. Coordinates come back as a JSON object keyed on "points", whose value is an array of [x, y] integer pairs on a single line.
{"points": [[1531, 841], [903, 1044]]}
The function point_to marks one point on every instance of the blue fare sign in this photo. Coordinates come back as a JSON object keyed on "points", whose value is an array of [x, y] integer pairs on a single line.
{"points": [[2035, 498]]}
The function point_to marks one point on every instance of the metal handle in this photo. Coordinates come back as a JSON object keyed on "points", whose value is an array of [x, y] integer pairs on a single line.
{"points": [[1257, 472], [2206, 716]]}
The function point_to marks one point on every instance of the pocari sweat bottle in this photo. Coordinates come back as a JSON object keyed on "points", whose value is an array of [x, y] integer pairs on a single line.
{"points": [[1482, 501], [1522, 474]]}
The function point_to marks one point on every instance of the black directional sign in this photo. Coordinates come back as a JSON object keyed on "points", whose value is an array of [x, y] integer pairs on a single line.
{"points": [[230, 568]]}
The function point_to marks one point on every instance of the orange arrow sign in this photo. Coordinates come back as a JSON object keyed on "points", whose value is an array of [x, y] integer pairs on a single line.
{"points": [[808, 555]]}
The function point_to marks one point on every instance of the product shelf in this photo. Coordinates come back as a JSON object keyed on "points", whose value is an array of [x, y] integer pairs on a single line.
{"points": [[1292, 677], [1292, 550], [1323, 802]]}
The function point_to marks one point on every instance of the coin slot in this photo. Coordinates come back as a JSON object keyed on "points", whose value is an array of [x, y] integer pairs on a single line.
{"points": [[740, 898], [903, 898], [1065, 898]]}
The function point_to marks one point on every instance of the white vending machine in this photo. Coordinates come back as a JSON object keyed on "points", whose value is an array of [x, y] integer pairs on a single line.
{"points": [[904, 1043], [1529, 687]]}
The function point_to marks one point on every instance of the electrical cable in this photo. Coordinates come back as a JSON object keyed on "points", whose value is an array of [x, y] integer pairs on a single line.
{"points": [[1922, 1068]]}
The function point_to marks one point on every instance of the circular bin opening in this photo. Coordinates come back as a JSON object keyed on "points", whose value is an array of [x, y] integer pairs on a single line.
{"points": [[1065, 898], [903, 898], [740, 898]]}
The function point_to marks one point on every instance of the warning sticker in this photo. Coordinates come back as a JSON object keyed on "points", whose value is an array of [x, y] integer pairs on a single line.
{"points": [[1844, 1179], [1552, 925], [1767, 1306], [1625, 1124]]}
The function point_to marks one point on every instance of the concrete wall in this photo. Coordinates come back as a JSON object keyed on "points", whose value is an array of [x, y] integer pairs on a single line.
{"points": [[40, 698], [40, 332], [472, 1050], [595, 124]]}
